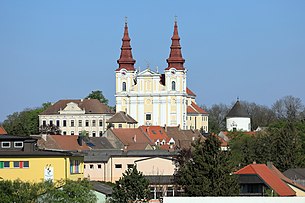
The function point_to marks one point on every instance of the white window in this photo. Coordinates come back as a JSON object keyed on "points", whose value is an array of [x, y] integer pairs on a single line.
{"points": [[124, 86], [173, 85], [5, 144], [18, 144]]}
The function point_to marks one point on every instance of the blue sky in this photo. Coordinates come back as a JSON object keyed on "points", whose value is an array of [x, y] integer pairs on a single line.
{"points": [[52, 50]]}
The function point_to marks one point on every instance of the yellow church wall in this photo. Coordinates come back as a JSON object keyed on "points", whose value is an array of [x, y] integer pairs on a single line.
{"points": [[36, 170]]}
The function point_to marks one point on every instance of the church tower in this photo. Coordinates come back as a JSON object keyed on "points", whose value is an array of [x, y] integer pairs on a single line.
{"points": [[124, 73], [175, 82], [153, 98]]}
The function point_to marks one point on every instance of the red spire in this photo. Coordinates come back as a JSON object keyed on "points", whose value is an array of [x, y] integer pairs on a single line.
{"points": [[126, 61], [175, 59]]}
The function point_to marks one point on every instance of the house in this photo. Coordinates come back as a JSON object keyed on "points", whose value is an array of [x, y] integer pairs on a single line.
{"points": [[154, 98], [101, 191], [296, 174], [122, 120], [238, 119], [259, 180], [296, 186], [109, 165], [62, 143], [128, 139], [158, 135], [182, 138], [2, 131], [20, 159], [74, 116]]}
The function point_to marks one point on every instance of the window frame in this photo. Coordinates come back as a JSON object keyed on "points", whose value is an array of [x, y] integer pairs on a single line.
{"points": [[118, 166], [173, 85], [124, 86], [17, 142], [6, 142]]}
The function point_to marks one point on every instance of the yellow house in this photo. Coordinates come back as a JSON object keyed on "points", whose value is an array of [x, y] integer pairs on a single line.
{"points": [[19, 159]]}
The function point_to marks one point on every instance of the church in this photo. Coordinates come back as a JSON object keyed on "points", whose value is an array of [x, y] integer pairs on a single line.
{"points": [[153, 98]]}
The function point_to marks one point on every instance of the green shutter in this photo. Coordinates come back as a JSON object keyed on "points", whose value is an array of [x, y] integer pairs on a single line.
{"points": [[1, 164]]}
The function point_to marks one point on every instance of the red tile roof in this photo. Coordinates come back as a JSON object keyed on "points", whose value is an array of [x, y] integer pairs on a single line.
{"points": [[194, 108], [2, 131], [62, 142], [131, 136], [155, 133], [269, 177], [190, 92]]}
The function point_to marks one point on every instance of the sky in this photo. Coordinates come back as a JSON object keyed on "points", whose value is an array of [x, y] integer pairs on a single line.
{"points": [[52, 50]]}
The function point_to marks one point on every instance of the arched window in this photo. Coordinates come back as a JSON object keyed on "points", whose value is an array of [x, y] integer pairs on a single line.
{"points": [[173, 85], [124, 86]]}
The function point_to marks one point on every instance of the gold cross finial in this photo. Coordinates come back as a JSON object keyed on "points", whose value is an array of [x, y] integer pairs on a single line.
{"points": [[126, 20]]}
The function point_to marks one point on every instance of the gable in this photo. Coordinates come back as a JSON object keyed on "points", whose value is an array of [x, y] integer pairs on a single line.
{"points": [[72, 108], [148, 72]]}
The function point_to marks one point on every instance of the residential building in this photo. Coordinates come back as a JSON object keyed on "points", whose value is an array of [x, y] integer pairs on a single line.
{"points": [[109, 165], [122, 120], [296, 174], [76, 116], [261, 180], [238, 119], [19, 159], [154, 98], [128, 139]]}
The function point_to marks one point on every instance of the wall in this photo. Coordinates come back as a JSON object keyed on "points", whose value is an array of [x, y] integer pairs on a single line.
{"points": [[234, 199], [108, 171], [36, 170], [242, 124]]}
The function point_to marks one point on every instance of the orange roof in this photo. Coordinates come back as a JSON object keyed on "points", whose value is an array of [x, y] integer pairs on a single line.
{"points": [[2, 131], [130, 136], [155, 133], [269, 177], [190, 92], [194, 108], [62, 142]]}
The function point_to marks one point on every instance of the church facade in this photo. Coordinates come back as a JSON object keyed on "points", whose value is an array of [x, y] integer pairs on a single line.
{"points": [[154, 98]]}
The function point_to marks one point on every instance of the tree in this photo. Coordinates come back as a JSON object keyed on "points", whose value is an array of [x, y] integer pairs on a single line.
{"points": [[208, 172], [25, 122], [97, 94], [132, 187], [71, 192], [49, 129], [217, 116], [288, 107]]}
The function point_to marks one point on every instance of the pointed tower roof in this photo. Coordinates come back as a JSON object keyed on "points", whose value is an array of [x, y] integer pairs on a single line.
{"points": [[126, 61], [175, 59], [238, 111]]}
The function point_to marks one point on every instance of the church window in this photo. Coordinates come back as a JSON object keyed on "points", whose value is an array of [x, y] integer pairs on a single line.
{"points": [[80, 123], [64, 123], [93, 123], [72, 123], [100, 123], [173, 85], [87, 123], [57, 123], [124, 86]]}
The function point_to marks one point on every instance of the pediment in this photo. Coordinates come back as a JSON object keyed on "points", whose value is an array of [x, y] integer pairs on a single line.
{"points": [[72, 108], [148, 72]]}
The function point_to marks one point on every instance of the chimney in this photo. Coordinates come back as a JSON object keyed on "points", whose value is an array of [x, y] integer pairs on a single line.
{"points": [[165, 127], [80, 140]]}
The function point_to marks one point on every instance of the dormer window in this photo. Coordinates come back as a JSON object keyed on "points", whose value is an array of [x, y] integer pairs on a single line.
{"points": [[173, 86], [124, 86]]}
